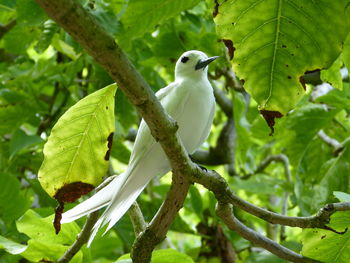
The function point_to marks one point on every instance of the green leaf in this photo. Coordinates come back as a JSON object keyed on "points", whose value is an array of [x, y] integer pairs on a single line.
{"points": [[49, 29], [19, 38], [20, 140], [343, 197], [77, 149], [151, 13], [297, 130], [44, 243], [332, 75], [196, 201], [64, 48], [335, 176], [328, 246], [39, 251], [13, 201], [276, 41], [11, 246], [38, 228], [163, 256], [29, 13], [335, 98]]}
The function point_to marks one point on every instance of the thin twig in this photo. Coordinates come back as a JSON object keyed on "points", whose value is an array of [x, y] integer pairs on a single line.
{"points": [[82, 238], [337, 146], [137, 219]]}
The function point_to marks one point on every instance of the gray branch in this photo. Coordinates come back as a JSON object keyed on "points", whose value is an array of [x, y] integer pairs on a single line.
{"points": [[224, 211]]}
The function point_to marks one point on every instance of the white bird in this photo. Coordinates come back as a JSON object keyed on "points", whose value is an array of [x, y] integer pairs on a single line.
{"points": [[190, 101]]}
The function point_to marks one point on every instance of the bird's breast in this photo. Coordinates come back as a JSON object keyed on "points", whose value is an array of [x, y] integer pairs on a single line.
{"points": [[194, 112]]}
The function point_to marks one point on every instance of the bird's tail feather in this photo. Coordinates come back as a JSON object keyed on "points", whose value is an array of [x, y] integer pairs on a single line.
{"points": [[95, 202], [120, 203]]}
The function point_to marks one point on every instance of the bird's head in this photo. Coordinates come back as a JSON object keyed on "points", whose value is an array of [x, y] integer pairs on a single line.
{"points": [[193, 63]]}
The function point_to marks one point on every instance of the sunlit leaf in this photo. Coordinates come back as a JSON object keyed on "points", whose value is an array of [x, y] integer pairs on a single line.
{"points": [[78, 147]]}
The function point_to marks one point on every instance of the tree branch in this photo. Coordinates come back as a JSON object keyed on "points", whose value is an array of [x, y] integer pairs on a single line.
{"points": [[6, 28], [159, 226], [215, 183], [137, 219], [224, 211]]}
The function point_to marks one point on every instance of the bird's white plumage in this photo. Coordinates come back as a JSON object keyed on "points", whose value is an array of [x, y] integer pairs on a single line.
{"points": [[190, 101]]}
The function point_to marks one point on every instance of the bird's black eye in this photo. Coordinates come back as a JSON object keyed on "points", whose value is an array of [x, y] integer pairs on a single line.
{"points": [[184, 59]]}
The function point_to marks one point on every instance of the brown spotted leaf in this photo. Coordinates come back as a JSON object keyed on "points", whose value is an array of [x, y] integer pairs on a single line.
{"points": [[276, 41], [75, 153]]}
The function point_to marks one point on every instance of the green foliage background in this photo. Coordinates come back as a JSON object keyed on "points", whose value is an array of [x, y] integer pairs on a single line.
{"points": [[43, 72]]}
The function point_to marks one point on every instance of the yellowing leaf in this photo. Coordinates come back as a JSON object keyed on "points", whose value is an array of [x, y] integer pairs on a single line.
{"points": [[77, 151]]}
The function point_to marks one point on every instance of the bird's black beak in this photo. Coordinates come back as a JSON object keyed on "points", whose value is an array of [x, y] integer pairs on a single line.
{"points": [[204, 63]]}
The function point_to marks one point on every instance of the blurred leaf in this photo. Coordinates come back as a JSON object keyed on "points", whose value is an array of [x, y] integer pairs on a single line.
{"points": [[297, 130], [20, 140], [334, 176], [180, 225], [13, 200], [196, 201], [343, 197], [29, 13], [288, 38], [152, 12], [335, 98], [317, 242], [64, 48], [69, 155], [346, 53], [332, 75], [11, 246], [19, 38], [49, 29]]}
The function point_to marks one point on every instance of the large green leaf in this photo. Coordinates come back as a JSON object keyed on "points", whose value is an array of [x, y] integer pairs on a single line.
{"points": [[142, 16], [78, 147], [276, 41], [328, 246]]}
